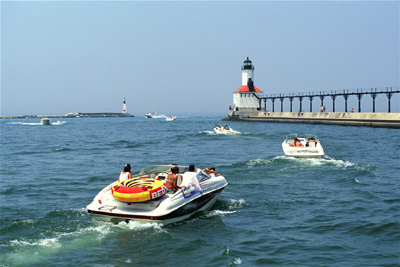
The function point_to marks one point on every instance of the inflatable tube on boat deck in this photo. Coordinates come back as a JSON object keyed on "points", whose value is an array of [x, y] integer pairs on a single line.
{"points": [[138, 190]]}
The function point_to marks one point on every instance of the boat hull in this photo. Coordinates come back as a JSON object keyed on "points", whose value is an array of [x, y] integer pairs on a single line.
{"points": [[303, 152], [201, 203]]}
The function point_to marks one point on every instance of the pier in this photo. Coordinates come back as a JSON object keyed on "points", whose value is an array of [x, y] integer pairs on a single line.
{"points": [[346, 93], [384, 120], [354, 118]]}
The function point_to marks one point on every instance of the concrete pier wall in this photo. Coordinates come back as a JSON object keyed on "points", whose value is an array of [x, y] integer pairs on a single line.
{"points": [[388, 120]]}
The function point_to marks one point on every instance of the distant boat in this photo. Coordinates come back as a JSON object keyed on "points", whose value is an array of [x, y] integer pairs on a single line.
{"points": [[45, 121], [305, 147], [224, 129], [170, 118], [151, 114]]}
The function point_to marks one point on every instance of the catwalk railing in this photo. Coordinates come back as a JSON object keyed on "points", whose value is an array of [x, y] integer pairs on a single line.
{"points": [[346, 93]]}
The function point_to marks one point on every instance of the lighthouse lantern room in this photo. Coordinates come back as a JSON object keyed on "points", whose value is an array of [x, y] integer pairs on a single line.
{"points": [[245, 98]]}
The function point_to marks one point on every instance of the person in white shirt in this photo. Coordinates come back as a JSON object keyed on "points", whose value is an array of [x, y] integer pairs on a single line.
{"points": [[188, 176], [125, 174]]}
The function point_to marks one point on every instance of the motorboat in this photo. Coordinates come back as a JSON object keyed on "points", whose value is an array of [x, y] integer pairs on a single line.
{"points": [[45, 121], [151, 114], [170, 118], [199, 195], [224, 129], [308, 146]]}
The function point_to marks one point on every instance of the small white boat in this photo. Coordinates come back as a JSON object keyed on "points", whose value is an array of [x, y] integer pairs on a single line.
{"points": [[305, 147], [170, 118], [224, 129], [45, 121], [151, 114], [200, 194]]}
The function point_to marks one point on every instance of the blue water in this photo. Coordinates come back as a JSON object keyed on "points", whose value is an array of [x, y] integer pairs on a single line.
{"points": [[343, 210]]}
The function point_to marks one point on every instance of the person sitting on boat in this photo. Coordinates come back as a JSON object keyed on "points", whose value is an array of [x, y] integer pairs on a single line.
{"points": [[226, 127], [188, 175], [125, 174], [210, 171], [312, 141], [297, 143], [172, 180]]}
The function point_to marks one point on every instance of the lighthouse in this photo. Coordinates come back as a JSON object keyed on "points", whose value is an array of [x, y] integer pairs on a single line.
{"points": [[123, 106], [245, 98]]}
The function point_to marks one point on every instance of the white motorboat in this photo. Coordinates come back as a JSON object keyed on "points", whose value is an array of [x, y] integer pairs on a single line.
{"points": [[200, 194], [224, 129], [170, 118], [151, 114], [305, 147], [45, 121]]}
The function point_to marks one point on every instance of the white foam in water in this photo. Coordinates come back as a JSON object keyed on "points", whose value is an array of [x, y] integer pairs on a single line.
{"points": [[237, 204], [45, 242], [219, 213], [284, 157], [134, 225], [320, 161], [162, 116], [58, 123], [255, 162], [237, 261], [214, 133], [26, 123], [100, 231], [316, 161], [342, 163], [29, 252]]}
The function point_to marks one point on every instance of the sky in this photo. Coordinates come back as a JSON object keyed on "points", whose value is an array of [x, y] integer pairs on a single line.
{"points": [[185, 58]]}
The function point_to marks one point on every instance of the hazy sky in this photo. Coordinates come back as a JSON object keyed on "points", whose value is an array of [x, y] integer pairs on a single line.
{"points": [[185, 58]]}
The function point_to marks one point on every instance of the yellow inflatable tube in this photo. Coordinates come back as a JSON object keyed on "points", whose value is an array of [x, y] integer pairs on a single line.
{"points": [[138, 190]]}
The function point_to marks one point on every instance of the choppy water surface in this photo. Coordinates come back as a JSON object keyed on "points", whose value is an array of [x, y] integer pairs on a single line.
{"points": [[276, 211]]}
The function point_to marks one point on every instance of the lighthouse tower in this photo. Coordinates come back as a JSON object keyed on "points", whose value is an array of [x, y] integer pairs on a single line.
{"points": [[123, 106], [245, 98]]}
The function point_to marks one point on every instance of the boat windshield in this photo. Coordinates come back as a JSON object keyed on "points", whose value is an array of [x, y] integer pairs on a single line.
{"points": [[291, 137], [157, 169], [310, 137]]}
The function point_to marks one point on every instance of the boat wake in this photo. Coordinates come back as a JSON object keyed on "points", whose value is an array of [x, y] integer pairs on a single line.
{"points": [[328, 162], [227, 208], [221, 133], [325, 162], [25, 251], [161, 116]]}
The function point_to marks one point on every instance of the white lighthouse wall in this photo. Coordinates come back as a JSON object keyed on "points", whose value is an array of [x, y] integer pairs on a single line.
{"points": [[245, 100], [246, 74]]}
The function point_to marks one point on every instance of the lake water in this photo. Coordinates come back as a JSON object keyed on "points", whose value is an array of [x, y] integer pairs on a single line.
{"points": [[343, 210]]}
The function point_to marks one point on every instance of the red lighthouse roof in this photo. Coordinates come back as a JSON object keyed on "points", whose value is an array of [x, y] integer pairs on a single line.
{"points": [[245, 89]]}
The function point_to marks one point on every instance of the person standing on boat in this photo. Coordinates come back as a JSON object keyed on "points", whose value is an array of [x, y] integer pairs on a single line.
{"points": [[125, 174], [172, 180]]}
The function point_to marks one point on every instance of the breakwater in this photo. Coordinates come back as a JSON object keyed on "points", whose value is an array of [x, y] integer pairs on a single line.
{"points": [[70, 115], [387, 120]]}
